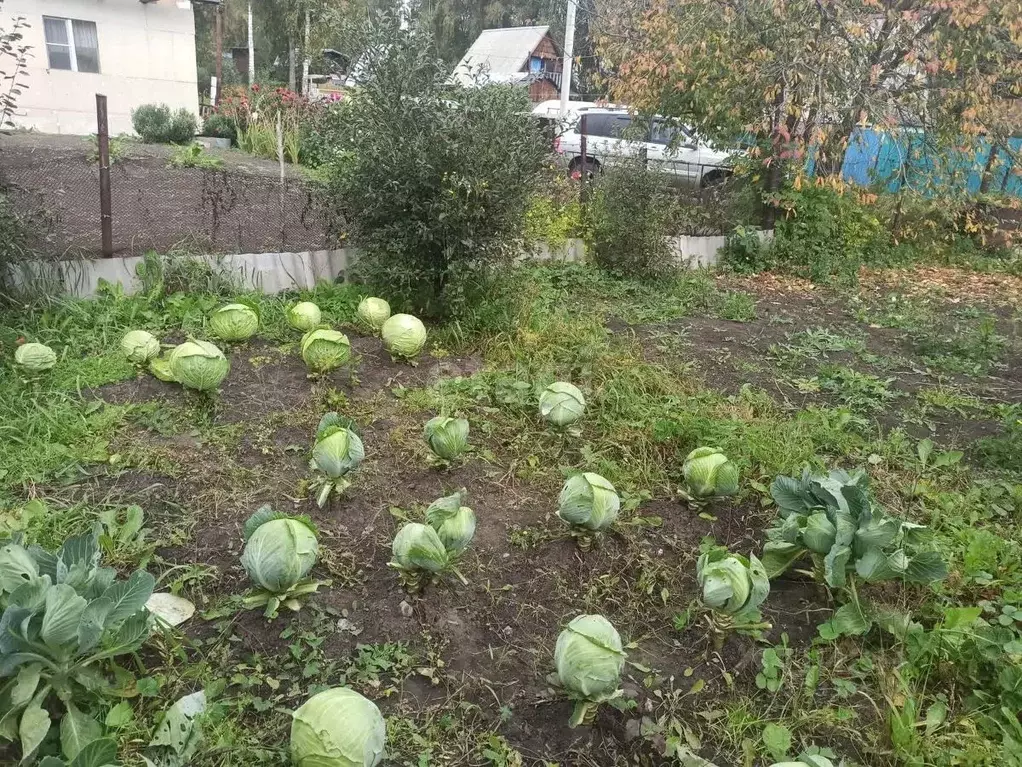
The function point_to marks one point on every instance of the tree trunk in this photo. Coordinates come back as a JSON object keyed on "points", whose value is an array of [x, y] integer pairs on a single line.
{"points": [[251, 47], [292, 73]]}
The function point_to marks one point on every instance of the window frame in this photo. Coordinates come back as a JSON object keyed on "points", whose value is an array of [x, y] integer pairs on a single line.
{"points": [[70, 45]]}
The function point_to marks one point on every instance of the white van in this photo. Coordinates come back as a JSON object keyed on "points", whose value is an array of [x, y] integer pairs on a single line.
{"points": [[611, 134]]}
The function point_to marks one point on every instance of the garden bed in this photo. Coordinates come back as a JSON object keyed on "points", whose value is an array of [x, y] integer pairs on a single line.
{"points": [[460, 671]]}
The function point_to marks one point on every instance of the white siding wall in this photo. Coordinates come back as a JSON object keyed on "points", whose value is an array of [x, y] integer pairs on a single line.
{"points": [[146, 55]]}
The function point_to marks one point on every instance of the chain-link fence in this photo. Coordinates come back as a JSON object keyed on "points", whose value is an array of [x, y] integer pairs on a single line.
{"points": [[242, 207]]}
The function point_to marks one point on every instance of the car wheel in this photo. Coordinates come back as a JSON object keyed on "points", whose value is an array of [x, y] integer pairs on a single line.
{"points": [[714, 178], [591, 169]]}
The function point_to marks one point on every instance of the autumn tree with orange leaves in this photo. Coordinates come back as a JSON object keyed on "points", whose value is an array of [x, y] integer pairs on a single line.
{"points": [[801, 75]]}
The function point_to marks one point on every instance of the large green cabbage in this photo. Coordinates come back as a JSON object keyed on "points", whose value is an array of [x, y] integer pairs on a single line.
{"points": [[454, 523], [140, 346], [234, 322], [338, 728], [279, 553], [403, 336], [447, 437], [35, 358], [304, 316], [418, 547], [731, 584], [373, 312], [323, 350], [198, 365], [589, 501], [709, 474], [337, 452], [561, 404], [589, 658]]}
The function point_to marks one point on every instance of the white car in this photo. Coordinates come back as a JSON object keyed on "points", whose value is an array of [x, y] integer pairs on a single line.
{"points": [[612, 134]]}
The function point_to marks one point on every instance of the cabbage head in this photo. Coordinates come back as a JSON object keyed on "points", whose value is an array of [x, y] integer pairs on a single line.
{"points": [[418, 547], [338, 450], [323, 350], [304, 316], [709, 474], [454, 523], [198, 365], [807, 760], [338, 728], [373, 312], [731, 584], [589, 658], [403, 336], [561, 404], [447, 437], [234, 322], [140, 347], [589, 501], [35, 358], [279, 551]]}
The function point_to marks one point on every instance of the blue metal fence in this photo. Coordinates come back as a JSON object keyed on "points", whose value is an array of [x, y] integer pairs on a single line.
{"points": [[907, 159]]}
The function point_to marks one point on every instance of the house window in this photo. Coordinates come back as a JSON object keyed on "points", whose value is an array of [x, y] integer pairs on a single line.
{"points": [[71, 44]]}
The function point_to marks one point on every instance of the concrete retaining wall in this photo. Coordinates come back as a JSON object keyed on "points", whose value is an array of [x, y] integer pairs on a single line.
{"points": [[277, 272]]}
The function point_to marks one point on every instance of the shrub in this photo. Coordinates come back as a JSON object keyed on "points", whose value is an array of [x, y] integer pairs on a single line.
{"points": [[432, 182], [219, 125], [628, 221], [158, 124]]}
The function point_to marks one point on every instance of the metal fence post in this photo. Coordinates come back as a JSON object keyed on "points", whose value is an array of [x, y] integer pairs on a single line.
{"points": [[583, 124], [105, 204]]}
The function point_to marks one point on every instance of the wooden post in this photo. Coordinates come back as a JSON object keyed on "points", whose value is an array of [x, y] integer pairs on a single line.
{"points": [[219, 53], [105, 205]]}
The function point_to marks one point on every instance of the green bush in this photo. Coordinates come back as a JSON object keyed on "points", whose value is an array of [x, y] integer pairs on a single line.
{"points": [[218, 125], [319, 134], [628, 221], [823, 234], [159, 124], [431, 181]]}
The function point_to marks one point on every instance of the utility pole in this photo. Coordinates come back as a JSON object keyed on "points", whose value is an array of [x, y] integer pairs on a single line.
{"points": [[569, 57], [251, 48]]}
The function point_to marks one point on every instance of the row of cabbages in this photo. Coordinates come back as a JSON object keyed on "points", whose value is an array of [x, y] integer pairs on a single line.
{"points": [[202, 366]]}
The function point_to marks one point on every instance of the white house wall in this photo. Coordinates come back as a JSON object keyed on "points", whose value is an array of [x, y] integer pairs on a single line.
{"points": [[146, 55]]}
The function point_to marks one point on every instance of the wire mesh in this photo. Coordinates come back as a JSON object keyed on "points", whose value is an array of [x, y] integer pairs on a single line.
{"points": [[156, 207]]}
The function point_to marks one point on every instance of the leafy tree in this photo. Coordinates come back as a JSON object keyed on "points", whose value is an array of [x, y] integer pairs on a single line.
{"points": [[431, 182], [801, 76]]}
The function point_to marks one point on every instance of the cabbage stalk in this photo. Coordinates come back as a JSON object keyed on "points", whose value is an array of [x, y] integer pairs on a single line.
{"points": [[35, 358], [403, 336], [454, 523], [140, 347], [447, 437], [708, 474], [198, 365], [589, 502], [373, 312], [234, 322], [338, 728], [278, 555], [417, 549], [589, 657], [337, 452], [561, 404], [324, 350], [733, 588], [304, 316]]}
